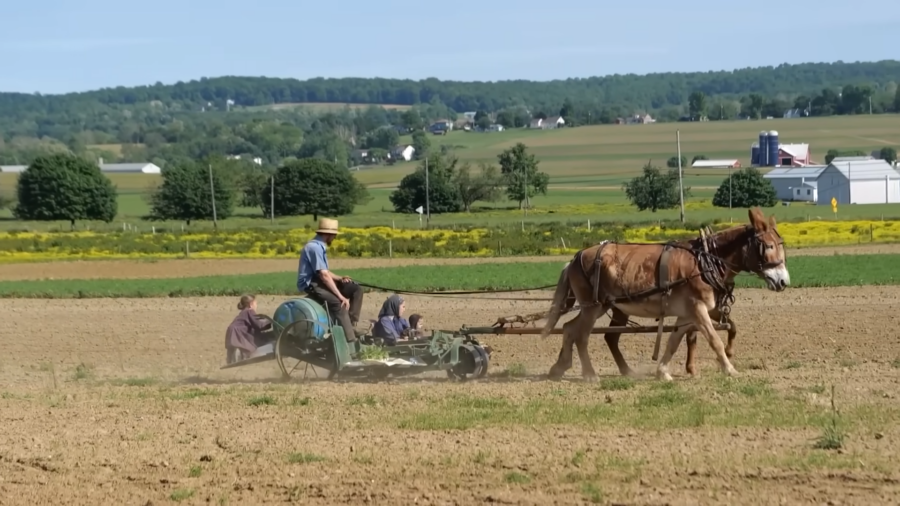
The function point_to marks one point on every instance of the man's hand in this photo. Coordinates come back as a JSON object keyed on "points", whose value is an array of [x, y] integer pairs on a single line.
{"points": [[345, 279], [345, 303]]}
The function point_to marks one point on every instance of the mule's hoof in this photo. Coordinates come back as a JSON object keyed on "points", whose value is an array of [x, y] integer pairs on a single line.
{"points": [[589, 378], [554, 376], [732, 372], [663, 375]]}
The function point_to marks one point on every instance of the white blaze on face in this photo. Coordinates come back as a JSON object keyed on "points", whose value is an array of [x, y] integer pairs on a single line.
{"points": [[778, 278]]}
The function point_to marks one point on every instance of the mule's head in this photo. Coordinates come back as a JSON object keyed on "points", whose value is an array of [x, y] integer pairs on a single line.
{"points": [[765, 256]]}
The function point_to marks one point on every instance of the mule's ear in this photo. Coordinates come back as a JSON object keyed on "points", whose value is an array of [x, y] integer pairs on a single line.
{"points": [[757, 219], [772, 223]]}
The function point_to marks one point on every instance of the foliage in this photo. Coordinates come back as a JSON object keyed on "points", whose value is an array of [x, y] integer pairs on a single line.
{"points": [[672, 163], [888, 154], [699, 157], [421, 144], [441, 195], [65, 187], [747, 188], [483, 186], [415, 242], [314, 187], [520, 172], [185, 193], [654, 190]]}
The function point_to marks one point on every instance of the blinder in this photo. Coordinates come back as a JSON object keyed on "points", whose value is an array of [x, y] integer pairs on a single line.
{"points": [[757, 243]]}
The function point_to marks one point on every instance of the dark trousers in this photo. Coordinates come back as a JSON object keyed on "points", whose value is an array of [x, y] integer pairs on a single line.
{"points": [[347, 318]]}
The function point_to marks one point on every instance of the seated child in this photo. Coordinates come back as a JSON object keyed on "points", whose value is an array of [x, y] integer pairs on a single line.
{"points": [[244, 334], [416, 326], [391, 327]]}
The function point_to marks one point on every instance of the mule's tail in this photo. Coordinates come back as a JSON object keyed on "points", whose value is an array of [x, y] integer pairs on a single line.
{"points": [[560, 297]]}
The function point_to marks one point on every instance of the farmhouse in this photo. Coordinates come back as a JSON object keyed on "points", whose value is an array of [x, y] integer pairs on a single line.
{"points": [[793, 155], [403, 152], [547, 124], [788, 180], [121, 168], [716, 164], [441, 126]]}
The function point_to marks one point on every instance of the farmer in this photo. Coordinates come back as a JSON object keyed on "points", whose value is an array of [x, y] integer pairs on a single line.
{"points": [[340, 294], [391, 326], [244, 334]]}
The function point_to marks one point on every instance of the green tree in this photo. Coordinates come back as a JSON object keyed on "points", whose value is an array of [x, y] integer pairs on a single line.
{"points": [[442, 195], [752, 105], [888, 154], [835, 153], [65, 187], [521, 176], [421, 144], [384, 138], [897, 100], [484, 122], [746, 188], [185, 193], [315, 187], [697, 104], [672, 163], [698, 157], [654, 190], [472, 187], [567, 111]]}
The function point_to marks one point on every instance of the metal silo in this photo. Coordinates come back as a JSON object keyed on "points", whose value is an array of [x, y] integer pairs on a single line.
{"points": [[773, 149], [754, 154], [763, 149]]}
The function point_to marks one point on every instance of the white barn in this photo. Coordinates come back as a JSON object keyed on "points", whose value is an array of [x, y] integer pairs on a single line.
{"points": [[787, 180], [121, 168], [859, 182]]}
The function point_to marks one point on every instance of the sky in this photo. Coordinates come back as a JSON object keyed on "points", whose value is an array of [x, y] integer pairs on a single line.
{"points": [[59, 46]]}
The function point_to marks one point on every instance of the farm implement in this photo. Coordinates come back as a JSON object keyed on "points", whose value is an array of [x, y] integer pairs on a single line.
{"points": [[303, 334]]}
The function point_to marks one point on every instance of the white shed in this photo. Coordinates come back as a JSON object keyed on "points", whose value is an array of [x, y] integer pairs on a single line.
{"points": [[786, 179], [808, 191], [859, 182]]}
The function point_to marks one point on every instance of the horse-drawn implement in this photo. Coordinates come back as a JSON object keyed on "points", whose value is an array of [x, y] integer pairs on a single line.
{"points": [[690, 280]]}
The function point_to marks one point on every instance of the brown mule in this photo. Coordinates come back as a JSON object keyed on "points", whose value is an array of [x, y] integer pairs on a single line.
{"points": [[689, 284]]}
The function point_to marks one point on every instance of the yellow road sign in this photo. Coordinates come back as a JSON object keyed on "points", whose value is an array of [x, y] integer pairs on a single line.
{"points": [[833, 205]]}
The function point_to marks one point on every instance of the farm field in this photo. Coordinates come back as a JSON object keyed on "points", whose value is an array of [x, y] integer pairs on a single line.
{"points": [[123, 401], [587, 166]]}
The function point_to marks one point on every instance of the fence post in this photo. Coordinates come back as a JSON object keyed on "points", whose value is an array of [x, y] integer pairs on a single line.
{"points": [[589, 225], [390, 248], [187, 249]]}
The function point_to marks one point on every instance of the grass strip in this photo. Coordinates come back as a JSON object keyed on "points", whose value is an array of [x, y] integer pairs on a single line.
{"points": [[817, 271]]}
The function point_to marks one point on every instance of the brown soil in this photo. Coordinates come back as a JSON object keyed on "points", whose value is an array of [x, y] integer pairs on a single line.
{"points": [[131, 269], [149, 418]]}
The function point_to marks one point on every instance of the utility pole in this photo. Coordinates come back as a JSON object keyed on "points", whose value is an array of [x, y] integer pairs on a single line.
{"points": [[212, 192], [525, 179], [427, 195], [272, 200], [680, 183]]}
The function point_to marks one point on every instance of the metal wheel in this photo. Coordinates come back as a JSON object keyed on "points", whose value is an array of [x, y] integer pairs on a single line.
{"points": [[290, 347], [473, 363]]}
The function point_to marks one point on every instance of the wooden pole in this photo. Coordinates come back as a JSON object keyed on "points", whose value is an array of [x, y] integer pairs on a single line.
{"points": [[212, 193], [272, 201]]}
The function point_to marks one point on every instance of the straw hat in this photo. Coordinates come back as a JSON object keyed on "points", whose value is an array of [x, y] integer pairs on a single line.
{"points": [[328, 226]]}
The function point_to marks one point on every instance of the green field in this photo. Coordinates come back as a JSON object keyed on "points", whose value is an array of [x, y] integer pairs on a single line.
{"points": [[587, 166], [812, 271]]}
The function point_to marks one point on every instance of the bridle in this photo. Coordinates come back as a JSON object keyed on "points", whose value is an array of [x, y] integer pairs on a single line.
{"points": [[756, 242]]}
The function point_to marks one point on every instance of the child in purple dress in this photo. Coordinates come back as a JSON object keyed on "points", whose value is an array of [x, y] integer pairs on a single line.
{"points": [[244, 334]]}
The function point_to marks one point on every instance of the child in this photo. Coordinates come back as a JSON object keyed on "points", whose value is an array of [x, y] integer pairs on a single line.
{"points": [[245, 332], [416, 326], [390, 326]]}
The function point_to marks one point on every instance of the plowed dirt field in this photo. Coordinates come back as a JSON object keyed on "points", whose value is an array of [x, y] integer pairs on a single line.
{"points": [[122, 402]]}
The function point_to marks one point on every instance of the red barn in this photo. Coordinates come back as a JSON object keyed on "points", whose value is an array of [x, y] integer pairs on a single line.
{"points": [[793, 155]]}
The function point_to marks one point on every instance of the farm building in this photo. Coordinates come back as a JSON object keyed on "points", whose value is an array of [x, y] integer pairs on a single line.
{"points": [[859, 182], [549, 123], [121, 168], [786, 179], [716, 164], [403, 152]]}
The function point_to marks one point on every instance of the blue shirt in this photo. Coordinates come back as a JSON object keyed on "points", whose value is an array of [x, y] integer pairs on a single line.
{"points": [[312, 260], [390, 329]]}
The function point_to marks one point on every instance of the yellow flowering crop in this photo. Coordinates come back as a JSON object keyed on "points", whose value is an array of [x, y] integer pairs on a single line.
{"points": [[384, 241]]}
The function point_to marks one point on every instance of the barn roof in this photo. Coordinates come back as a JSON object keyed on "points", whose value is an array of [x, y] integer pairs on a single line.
{"points": [[866, 169], [809, 172], [709, 164], [144, 168], [800, 151]]}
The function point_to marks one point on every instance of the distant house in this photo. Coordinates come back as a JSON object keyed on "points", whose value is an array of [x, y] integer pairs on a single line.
{"points": [[441, 126], [794, 155], [794, 113], [717, 164], [403, 152], [122, 168], [469, 116], [862, 181], [640, 119], [496, 127], [547, 124], [786, 180], [257, 160]]}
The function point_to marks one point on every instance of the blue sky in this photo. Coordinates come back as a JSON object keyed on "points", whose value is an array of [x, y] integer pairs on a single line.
{"points": [[57, 46]]}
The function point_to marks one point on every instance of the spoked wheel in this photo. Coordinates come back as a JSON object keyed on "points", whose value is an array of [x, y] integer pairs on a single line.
{"points": [[473, 363], [290, 348]]}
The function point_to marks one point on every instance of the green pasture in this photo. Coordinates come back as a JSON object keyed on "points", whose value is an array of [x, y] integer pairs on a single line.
{"points": [[811, 271], [587, 166]]}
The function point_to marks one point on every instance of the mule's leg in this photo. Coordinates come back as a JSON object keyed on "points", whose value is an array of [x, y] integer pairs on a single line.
{"points": [[689, 366], [704, 325], [732, 333], [619, 319], [582, 331], [564, 360], [662, 369]]}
